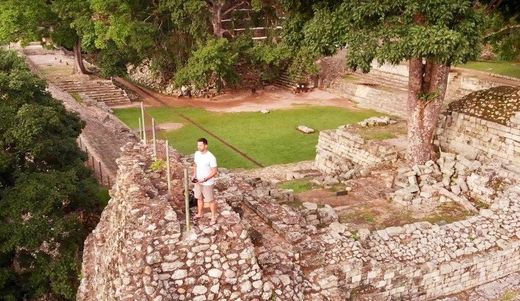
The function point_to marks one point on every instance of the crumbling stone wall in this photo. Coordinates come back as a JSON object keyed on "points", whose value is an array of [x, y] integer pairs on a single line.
{"points": [[340, 149], [486, 122], [384, 88], [139, 250], [374, 97], [145, 75], [422, 261], [467, 134]]}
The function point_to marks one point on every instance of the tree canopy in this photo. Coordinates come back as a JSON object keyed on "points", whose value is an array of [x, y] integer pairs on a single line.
{"points": [[430, 35], [45, 190], [59, 22]]}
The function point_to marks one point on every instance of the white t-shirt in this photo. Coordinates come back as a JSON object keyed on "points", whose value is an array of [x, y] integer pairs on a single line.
{"points": [[205, 162]]}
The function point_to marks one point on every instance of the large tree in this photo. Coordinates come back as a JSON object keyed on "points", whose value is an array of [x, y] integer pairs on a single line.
{"points": [[48, 198], [430, 35], [58, 22], [163, 32]]}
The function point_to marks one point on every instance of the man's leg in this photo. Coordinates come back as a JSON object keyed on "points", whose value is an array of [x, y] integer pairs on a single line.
{"points": [[213, 207], [200, 199], [200, 207], [210, 197]]}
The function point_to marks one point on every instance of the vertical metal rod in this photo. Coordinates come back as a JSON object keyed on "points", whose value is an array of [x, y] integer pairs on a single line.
{"points": [[144, 123], [187, 198], [140, 130], [93, 163], [168, 175], [153, 137]]}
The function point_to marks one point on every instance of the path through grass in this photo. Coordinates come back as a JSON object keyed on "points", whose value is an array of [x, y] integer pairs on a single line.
{"points": [[268, 138]]}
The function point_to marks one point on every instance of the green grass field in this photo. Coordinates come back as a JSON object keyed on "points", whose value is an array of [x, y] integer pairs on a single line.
{"points": [[499, 67], [268, 138]]}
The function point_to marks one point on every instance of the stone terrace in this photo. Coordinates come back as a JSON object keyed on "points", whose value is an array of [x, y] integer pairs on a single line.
{"points": [[260, 249]]}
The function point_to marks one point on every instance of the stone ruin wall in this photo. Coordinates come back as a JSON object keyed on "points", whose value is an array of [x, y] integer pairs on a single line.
{"points": [[139, 249], [374, 95], [424, 261], [338, 150], [138, 252], [462, 133]]}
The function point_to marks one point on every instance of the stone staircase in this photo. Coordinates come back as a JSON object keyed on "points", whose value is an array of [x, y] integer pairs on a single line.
{"points": [[285, 82], [97, 89], [379, 79]]}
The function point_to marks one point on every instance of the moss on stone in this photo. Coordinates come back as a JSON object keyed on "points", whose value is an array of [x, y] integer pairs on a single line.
{"points": [[497, 104]]}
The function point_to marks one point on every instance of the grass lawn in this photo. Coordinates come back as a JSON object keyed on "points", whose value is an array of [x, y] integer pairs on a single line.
{"points": [[297, 185], [268, 138], [500, 67]]}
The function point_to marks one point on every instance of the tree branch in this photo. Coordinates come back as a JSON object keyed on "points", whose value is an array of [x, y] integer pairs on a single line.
{"points": [[233, 7], [507, 28]]}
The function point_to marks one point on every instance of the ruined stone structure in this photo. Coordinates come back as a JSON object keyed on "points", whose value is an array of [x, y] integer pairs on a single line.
{"points": [[140, 249], [260, 249], [385, 87], [485, 122], [338, 150], [144, 75]]}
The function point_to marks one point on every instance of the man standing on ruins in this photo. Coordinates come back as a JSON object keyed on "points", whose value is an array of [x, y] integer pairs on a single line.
{"points": [[204, 171]]}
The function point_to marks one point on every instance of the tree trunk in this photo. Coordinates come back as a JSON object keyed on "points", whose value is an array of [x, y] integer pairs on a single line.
{"points": [[79, 67], [427, 85], [216, 20]]}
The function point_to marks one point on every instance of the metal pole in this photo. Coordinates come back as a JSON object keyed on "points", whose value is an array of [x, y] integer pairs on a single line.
{"points": [[187, 199], [153, 137], [140, 131], [144, 124], [168, 175]]}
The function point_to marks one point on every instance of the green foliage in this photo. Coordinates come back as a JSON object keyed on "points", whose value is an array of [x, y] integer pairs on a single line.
{"points": [[304, 63], [112, 61], [391, 31], [158, 165], [212, 64], [270, 59], [164, 32], [44, 189], [297, 185], [503, 27], [60, 22]]}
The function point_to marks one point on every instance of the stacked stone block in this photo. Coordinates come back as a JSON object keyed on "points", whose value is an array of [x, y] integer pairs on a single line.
{"points": [[139, 250], [338, 150], [462, 133]]}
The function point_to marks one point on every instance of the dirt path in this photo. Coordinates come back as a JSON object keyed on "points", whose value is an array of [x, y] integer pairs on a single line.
{"points": [[243, 101]]}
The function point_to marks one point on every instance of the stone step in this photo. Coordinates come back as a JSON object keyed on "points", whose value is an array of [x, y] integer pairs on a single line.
{"points": [[104, 99], [87, 87], [105, 93], [376, 80], [100, 91]]}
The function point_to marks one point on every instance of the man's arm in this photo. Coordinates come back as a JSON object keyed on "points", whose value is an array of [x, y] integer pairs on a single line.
{"points": [[213, 173]]}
